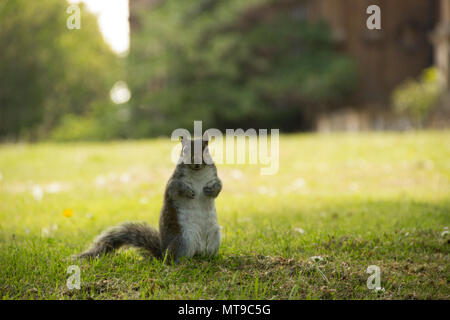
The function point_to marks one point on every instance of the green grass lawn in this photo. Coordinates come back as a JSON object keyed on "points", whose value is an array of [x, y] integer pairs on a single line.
{"points": [[354, 200]]}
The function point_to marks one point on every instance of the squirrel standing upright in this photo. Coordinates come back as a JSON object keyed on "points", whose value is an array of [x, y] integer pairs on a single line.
{"points": [[188, 221]]}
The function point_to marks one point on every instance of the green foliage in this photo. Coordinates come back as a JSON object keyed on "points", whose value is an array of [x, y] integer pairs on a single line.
{"points": [[104, 122], [74, 127], [416, 98], [232, 64], [47, 70]]}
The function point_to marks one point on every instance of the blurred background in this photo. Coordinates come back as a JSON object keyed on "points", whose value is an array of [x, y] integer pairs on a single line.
{"points": [[142, 68]]}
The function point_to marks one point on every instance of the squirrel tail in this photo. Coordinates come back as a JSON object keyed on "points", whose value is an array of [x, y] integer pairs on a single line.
{"points": [[127, 234]]}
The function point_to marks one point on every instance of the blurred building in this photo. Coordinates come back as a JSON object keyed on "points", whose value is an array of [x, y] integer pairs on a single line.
{"points": [[400, 49], [414, 35], [441, 42]]}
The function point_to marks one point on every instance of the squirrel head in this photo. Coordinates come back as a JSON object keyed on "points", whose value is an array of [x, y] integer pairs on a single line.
{"points": [[195, 153]]}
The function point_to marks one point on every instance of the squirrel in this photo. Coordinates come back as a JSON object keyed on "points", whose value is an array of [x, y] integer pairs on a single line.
{"points": [[188, 219]]}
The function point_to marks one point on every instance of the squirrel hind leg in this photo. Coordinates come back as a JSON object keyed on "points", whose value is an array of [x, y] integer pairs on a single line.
{"points": [[178, 250]]}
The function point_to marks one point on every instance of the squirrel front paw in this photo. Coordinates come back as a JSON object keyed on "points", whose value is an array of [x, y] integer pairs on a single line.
{"points": [[187, 191], [212, 188]]}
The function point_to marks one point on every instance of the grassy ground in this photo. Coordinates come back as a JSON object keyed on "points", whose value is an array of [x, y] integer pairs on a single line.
{"points": [[354, 200]]}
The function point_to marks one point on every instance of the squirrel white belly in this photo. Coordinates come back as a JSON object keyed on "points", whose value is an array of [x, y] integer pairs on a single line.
{"points": [[197, 217], [188, 221]]}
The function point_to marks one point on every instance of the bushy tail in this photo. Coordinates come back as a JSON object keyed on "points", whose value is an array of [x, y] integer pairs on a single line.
{"points": [[128, 234]]}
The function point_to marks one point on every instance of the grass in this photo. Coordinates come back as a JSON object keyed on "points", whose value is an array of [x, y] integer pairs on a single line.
{"points": [[354, 200]]}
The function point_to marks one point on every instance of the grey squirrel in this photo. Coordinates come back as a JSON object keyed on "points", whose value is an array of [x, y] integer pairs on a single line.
{"points": [[188, 220]]}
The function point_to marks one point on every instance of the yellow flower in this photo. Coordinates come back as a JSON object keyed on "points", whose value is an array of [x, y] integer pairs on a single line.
{"points": [[67, 213]]}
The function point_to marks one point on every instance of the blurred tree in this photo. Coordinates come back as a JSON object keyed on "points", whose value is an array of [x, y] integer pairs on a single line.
{"points": [[47, 70], [232, 63]]}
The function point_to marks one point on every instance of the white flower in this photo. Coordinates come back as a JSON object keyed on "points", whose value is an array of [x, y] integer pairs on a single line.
{"points": [[45, 232], [316, 258], [353, 186], [444, 233], [100, 181], [299, 183], [299, 230], [53, 188], [428, 164], [125, 178], [236, 174], [263, 190], [38, 193]]}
